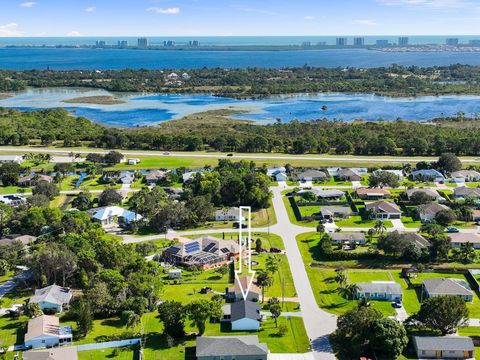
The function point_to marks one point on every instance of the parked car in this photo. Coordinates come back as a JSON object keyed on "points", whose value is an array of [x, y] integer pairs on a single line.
{"points": [[275, 250], [229, 155], [236, 225], [452, 229], [397, 304]]}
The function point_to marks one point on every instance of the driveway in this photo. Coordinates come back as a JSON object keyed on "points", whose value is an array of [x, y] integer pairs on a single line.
{"points": [[401, 314], [10, 284], [356, 184], [397, 224]]}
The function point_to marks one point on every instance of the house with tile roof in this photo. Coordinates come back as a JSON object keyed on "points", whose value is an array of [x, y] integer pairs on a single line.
{"points": [[466, 192], [45, 332], [383, 210], [458, 240], [372, 193], [235, 293], [428, 212]]}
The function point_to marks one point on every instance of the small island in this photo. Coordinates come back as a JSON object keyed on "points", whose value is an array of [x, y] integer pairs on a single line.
{"points": [[5, 96], [100, 100]]}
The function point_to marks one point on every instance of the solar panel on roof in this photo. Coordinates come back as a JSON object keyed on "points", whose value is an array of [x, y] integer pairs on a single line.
{"points": [[225, 250], [173, 250], [209, 247], [192, 247]]}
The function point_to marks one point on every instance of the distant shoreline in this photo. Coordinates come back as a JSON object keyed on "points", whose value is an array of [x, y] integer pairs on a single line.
{"points": [[5, 96]]}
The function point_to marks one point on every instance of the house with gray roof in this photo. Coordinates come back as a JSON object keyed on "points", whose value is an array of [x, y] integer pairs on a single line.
{"points": [[431, 193], [349, 175], [466, 192], [242, 315], [427, 175], [277, 173], [245, 347], [458, 240], [444, 347], [372, 193], [24, 239], [329, 194], [383, 210], [380, 290], [312, 175], [419, 240], [357, 238], [335, 212], [397, 173], [466, 175], [446, 286], [63, 353], [428, 212], [52, 298]]}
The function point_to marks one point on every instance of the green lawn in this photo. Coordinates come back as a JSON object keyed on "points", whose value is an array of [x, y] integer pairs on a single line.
{"points": [[293, 219], [357, 221], [356, 276], [307, 211], [325, 287], [409, 222], [95, 184], [105, 354], [14, 190]]}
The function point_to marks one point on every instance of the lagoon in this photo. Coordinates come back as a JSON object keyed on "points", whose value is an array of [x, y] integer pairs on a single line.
{"points": [[151, 109]]}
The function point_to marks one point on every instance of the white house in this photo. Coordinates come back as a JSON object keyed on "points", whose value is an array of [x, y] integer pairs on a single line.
{"points": [[52, 298], [428, 212], [111, 215], [16, 159], [466, 175], [397, 173], [446, 287], [458, 240], [13, 200], [45, 332], [380, 290], [384, 210], [228, 214], [427, 175], [133, 161], [444, 347]]}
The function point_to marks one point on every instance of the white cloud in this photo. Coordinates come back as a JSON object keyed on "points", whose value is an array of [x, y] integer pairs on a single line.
{"points": [[364, 22], [91, 9], [28, 4], [309, 17], [168, 11], [439, 4], [73, 33], [8, 30]]}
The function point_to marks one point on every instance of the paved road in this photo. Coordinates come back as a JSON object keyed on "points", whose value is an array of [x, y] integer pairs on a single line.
{"points": [[394, 159], [318, 323], [10, 284]]}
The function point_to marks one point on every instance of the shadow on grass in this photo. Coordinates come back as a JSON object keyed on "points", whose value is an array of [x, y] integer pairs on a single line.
{"points": [[159, 342]]}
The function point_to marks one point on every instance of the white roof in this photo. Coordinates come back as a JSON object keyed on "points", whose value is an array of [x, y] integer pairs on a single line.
{"points": [[111, 211]]}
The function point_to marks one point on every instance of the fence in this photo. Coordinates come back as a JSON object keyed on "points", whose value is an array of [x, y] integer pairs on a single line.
{"points": [[108, 345]]}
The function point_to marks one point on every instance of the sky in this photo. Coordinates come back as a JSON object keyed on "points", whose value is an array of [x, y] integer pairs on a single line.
{"points": [[238, 17]]}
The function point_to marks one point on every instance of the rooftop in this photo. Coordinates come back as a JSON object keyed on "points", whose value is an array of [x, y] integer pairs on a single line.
{"points": [[53, 294], [446, 286], [444, 343], [246, 345]]}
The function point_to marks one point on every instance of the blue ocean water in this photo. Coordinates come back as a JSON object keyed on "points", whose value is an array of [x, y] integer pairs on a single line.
{"points": [[104, 59], [151, 109]]}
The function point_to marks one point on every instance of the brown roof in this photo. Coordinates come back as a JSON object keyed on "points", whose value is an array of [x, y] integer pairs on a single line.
{"points": [[62, 353], [244, 281], [42, 325], [384, 206], [432, 208], [373, 191]]}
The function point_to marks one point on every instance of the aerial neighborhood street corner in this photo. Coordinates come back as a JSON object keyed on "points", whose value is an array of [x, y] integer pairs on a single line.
{"points": [[207, 180]]}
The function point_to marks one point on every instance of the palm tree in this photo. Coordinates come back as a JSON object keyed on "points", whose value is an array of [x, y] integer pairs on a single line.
{"points": [[380, 226], [264, 280], [341, 278], [370, 233], [363, 302], [272, 264], [349, 291]]}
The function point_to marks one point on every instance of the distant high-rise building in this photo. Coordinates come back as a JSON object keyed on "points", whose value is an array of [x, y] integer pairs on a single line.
{"points": [[169, 43], [100, 43], [474, 43], [359, 41], [382, 42], [122, 43], [403, 41], [306, 44], [452, 41], [142, 42], [341, 41], [322, 43], [194, 43]]}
